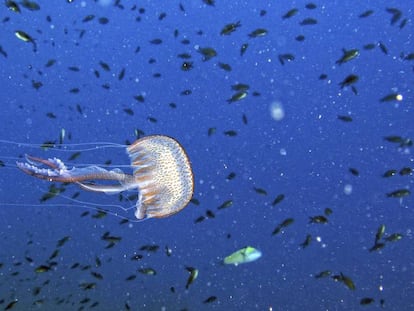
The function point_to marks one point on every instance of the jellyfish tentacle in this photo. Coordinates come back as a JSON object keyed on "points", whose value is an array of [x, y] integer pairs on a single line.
{"points": [[56, 170]]}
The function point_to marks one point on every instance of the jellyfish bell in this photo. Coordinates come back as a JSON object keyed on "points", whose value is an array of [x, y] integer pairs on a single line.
{"points": [[161, 178]]}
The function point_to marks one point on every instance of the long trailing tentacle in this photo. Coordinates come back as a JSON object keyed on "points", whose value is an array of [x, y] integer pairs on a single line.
{"points": [[55, 170]]}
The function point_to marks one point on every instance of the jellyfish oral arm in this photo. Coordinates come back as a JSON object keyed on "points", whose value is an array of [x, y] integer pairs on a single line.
{"points": [[55, 170]]}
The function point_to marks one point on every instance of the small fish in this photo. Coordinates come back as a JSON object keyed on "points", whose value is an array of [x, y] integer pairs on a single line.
{"points": [[186, 66], [147, 271], [391, 97], [286, 57], [346, 280], [244, 255], [349, 80], [327, 211], [231, 176], [11, 304], [394, 237], [104, 66], [383, 48], [243, 48], [323, 274], [225, 67], [97, 275], [210, 299], [26, 38], [87, 285], [207, 52], [366, 301], [308, 21], [354, 171], [320, 219], [131, 277], [240, 87], [13, 6], [260, 191], [211, 131], [199, 219], [307, 241], [396, 14], [259, 32], [406, 171], [290, 13], [366, 13], [398, 193], [88, 18], [347, 56], [279, 198], [345, 118], [389, 173], [30, 5], [230, 133], [380, 233], [42, 269], [225, 204], [192, 277], [156, 41], [237, 97], [229, 28], [377, 246], [103, 20]]}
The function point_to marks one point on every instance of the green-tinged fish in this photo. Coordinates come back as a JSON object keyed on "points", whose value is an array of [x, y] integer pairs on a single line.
{"points": [[226, 204], [13, 6], [323, 274], [377, 246], [398, 193], [192, 277], [207, 52], [238, 96], [391, 97], [225, 67], [394, 237], [347, 56], [259, 32], [229, 28], [26, 38], [42, 269], [147, 271], [380, 233], [320, 219], [30, 5], [244, 255], [346, 280]]}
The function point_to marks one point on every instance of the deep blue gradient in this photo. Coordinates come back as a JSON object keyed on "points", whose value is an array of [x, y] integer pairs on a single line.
{"points": [[306, 156]]}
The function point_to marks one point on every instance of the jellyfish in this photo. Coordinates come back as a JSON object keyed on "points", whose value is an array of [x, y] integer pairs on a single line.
{"points": [[162, 175]]}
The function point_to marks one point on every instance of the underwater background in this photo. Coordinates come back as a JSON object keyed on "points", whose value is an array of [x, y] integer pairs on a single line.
{"points": [[297, 117]]}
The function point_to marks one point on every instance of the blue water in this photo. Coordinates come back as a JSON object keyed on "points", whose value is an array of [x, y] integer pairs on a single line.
{"points": [[306, 155]]}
